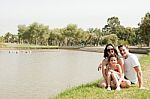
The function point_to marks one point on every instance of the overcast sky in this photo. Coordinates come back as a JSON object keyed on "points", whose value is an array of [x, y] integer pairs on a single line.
{"points": [[60, 13]]}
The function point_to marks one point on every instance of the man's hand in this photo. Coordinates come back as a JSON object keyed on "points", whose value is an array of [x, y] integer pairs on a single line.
{"points": [[143, 88]]}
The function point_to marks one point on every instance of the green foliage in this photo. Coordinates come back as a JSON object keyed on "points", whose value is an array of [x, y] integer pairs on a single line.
{"points": [[1, 39], [71, 35], [112, 24], [10, 38], [145, 29], [112, 38], [33, 34], [122, 42]]}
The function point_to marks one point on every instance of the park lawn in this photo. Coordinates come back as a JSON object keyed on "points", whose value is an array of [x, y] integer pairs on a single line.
{"points": [[92, 91]]}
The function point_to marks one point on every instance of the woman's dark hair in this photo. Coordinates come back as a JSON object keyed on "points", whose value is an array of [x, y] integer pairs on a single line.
{"points": [[106, 53]]}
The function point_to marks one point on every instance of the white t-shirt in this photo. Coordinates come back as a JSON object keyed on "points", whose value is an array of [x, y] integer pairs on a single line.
{"points": [[131, 62]]}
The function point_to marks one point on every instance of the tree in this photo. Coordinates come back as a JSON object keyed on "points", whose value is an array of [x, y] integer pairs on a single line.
{"points": [[69, 33], [1, 39], [112, 38], [8, 37], [144, 27], [112, 24], [97, 33], [22, 33]]}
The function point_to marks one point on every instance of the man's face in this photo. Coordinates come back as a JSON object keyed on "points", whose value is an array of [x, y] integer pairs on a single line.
{"points": [[123, 51]]}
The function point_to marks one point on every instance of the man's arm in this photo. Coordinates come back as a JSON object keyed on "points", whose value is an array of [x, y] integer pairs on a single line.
{"points": [[139, 75], [120, 73]]}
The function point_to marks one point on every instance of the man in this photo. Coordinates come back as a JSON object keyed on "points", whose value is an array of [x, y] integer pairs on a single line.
{"points": [[132, 66]]}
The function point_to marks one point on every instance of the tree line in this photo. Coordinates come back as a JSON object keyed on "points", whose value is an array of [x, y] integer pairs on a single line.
{"points": [[72, 35]]}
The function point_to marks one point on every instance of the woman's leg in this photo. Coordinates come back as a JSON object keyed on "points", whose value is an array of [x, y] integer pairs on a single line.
{"points": [[109, 80], [102, 84]]}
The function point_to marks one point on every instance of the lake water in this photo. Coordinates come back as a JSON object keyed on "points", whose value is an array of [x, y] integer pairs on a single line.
{"points": [[42, 74]]}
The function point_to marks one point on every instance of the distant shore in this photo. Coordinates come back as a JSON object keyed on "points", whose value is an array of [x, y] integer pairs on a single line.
{"points": [[99, 49]]}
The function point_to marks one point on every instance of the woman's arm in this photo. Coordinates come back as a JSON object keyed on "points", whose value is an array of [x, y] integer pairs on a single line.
{"points": [[104, 68], [100, 66]]}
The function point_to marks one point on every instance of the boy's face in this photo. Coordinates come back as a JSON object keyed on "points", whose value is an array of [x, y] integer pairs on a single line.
{"points": [[113, 60]]}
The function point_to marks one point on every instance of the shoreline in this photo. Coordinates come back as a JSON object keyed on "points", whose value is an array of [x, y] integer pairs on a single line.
{"points": [[98, 49]]}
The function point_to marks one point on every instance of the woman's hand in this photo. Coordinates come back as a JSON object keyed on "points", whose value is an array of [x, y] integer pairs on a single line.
{"points": [[100, 66]]}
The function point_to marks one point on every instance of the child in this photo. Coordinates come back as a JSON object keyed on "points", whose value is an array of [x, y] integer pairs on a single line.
{"points": [[114, 72]]}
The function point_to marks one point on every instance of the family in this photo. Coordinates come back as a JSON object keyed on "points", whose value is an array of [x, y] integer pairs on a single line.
{"points": [[119, 71]]}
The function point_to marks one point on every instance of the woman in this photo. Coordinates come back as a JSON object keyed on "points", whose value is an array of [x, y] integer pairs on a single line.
{"points": [[109, 50]]}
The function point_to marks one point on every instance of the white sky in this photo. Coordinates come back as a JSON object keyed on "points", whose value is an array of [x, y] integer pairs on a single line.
{"points": [[60, 13]]}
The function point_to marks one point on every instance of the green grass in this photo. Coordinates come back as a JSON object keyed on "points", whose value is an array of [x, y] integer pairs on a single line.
{"points": [[145, 60], [26, 46], [2, 45], [92, 91]]}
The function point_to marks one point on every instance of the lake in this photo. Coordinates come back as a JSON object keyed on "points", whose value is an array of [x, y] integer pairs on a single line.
{"points": [[41, 74]]}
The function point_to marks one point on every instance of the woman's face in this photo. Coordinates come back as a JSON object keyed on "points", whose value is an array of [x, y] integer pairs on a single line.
{"points": [[110, 50]]}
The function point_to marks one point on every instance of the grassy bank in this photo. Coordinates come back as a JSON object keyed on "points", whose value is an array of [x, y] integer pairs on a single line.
{"points": [[92, 91], [29, 46], [25, 46]]}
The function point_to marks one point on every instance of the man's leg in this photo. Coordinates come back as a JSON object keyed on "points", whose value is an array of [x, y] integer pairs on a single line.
{"points": [[125, 83]]}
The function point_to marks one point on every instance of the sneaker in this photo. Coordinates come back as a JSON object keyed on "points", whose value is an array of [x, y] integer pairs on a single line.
{"points": [[108, 88], [118, 88]]}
